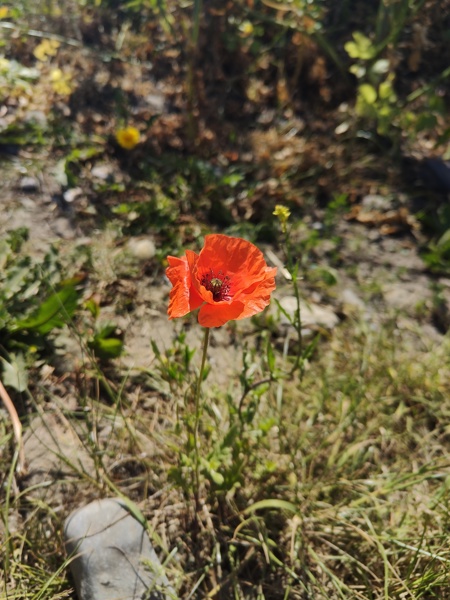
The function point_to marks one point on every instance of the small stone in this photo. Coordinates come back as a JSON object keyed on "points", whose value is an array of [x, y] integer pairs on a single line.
{"points": [[103, 172], [72, 194], [375, 202], [111, 555], [156, 102], [29, 184], [142, 248]]}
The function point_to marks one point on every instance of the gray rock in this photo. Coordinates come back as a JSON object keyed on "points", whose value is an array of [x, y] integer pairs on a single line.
{"points": [[142, 248], [29, 184], [156, 102], [375, 202], [103, 172], [111, 555], [72, 194]]}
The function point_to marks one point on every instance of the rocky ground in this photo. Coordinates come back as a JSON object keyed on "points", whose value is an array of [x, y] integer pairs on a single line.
{"points": [[380, 278]]}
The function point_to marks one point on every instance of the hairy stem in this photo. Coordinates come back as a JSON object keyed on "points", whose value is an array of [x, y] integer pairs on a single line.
{"points": [[197, 417]]}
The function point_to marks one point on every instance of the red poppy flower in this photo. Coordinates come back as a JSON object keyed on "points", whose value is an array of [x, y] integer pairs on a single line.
{"points": [[228, 280]]}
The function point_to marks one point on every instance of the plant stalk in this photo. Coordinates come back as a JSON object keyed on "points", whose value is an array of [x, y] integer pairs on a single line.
{"points": [[197, 418]]}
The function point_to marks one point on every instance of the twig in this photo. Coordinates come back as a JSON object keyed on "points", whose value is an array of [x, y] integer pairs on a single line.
{"points": [[17, 427], [94, 52], [41, 34]]}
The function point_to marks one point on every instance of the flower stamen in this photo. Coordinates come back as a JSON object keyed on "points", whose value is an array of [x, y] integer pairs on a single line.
{"points": [[218, 285]]}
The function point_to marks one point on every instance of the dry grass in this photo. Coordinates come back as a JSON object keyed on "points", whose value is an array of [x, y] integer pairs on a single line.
{"points": [[350, 467]]}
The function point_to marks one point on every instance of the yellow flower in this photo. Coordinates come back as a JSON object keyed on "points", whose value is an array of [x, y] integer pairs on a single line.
{"points": [[45, 49], [61, 82], [246, 28], [282, 213], [128, 137]]}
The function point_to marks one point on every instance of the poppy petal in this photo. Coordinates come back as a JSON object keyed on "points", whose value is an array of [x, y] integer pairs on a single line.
{"points": [[193, 259], [217, 314], [232, 256], [256, 299], [183, 298]]}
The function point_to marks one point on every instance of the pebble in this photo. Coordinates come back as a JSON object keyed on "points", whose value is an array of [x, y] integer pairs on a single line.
{"points": [[111, 556], [156, 102], [375, 202], [72, 194], [103, 172], [29, 184], [142, 248]]}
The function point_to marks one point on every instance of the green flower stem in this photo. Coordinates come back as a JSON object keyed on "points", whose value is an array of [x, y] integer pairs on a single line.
{"points": [[197, 417], [292, 267]]}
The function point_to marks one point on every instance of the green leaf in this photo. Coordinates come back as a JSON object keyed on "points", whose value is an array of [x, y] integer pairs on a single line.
{"points": [[230, 437], [17, 237], [368, 93], [106, 348], [93, 307], [270, 357], [155, 349], [15, 373], [328, 276], [358, 70], [361, 47], [386, 91], [425, 121], [352, 49], [106, 342], [54, 312], [217, 477], [443, 244], [284, 312]]}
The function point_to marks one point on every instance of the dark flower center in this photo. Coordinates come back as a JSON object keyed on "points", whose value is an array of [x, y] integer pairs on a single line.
{"points": [[218, 284]]}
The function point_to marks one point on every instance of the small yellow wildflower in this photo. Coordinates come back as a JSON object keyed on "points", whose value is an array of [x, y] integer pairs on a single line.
{"points": [[46, 49], [282, 213], [128, 137], [246, 28], [61, 82]]}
